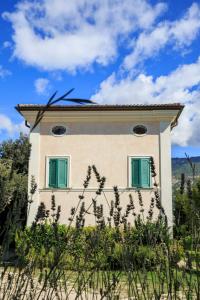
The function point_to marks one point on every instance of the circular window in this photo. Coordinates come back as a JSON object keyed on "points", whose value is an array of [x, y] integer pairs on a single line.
{"points": [[140, 130], [59, 130]]}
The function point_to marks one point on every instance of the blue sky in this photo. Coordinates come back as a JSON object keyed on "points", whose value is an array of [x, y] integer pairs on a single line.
{"points": [[130, 51]]}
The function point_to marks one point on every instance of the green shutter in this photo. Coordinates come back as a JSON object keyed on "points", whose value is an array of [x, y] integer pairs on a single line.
{"points": [[62, 173], [145, 172], [135, 164], [53, 173]]}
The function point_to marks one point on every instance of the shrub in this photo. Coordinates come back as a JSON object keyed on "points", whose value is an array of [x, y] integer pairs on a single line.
{"points": [[186, 208], [101, 259], [176, 252], [103, 249], [149, 232], [144, 257]]}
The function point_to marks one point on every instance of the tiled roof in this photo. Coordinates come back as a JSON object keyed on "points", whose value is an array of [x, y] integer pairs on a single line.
{"points": [[98, 107]]}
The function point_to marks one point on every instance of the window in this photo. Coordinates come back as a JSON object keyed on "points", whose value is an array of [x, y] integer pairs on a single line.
{"points": [[59, 130], [140, 172], [140, 130], [58, 172]]}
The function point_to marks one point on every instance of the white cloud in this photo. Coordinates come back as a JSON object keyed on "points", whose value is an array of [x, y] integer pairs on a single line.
{"points": [[62, 35], [185, 30], [4, 72], [9, 128], [181, 85], [67, 35], [7, 44], [41, 85], [178, 34]]}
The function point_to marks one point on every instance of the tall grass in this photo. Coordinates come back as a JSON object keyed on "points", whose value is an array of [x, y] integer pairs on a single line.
{"points": [[111, 260]]}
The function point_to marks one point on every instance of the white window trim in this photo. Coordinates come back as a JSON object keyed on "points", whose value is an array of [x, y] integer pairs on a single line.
{"points": [[48, 157], [130, 173]]}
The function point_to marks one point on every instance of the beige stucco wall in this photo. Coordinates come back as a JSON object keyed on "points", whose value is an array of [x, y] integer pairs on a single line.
{"points": [[69, 199], [107, 145]]}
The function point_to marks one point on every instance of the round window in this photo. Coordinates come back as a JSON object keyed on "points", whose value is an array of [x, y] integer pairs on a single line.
{"points": [[59, 130], [140, 130]]}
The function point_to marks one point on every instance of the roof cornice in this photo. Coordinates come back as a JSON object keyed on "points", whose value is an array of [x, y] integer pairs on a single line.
{"points": [[104, 113], [94, 107]]}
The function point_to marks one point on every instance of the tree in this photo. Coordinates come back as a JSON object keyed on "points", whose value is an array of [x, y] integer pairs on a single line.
{"points": [[187, 207], [17, 151], [14, 157]]}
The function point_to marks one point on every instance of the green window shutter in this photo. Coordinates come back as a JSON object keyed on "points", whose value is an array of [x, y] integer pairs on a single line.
{"points": [[145, 172], [62, 173], [53, 173], [135, 165]]}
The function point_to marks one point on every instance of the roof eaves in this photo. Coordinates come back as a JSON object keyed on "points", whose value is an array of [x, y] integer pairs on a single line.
{"points": [[35, 107]]}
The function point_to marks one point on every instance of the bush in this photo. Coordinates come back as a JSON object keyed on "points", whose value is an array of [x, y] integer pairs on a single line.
{"points": [[144, 257], [186, 208], [176, 252], [108, 248], [104, 257], [149, 233]]}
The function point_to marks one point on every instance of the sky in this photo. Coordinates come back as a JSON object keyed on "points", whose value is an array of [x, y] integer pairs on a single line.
{"points": [[111, 51]]}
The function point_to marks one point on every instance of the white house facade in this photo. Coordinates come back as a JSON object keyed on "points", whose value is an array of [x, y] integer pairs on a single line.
{"points": [[118, 139]]}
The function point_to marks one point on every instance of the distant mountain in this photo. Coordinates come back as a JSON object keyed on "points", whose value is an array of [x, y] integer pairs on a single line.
{"points": [[181, 165]]}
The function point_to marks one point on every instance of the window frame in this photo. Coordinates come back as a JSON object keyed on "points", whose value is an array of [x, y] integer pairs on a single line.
{"points": [[130, 157], [59, 124], [48, 157], [140, 135]]}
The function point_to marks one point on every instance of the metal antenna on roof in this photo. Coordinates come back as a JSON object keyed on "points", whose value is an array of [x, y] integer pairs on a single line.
{"points": [[53, 101]]}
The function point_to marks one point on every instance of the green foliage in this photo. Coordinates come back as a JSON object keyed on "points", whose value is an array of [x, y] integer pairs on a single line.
{"points": [[176, 252], [102, 249], [186, 208], [111, 260], [14, 157], [149, 232], [11, 187], [18, 152], [145, 257]]}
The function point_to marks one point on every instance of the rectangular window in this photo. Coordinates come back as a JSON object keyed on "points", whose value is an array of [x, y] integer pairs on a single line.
{"points": [[58, 172], [140, 172]]}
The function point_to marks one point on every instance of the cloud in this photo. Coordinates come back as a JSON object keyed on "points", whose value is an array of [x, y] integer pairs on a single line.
{"points": [[7, 44], [62, 35], [4, 72], [41, 85], [69, 35], [181, 85], [9, 128], [179, 34]]}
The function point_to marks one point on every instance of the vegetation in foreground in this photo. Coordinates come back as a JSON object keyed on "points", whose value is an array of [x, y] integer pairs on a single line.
{"points": [[111, 260]]}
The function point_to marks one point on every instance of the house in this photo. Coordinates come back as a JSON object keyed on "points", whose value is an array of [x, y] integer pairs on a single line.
{"points": [[118, 139]]}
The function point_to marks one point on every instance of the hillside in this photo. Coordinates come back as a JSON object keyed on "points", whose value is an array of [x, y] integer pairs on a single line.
{"points": [[181, 165]]}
